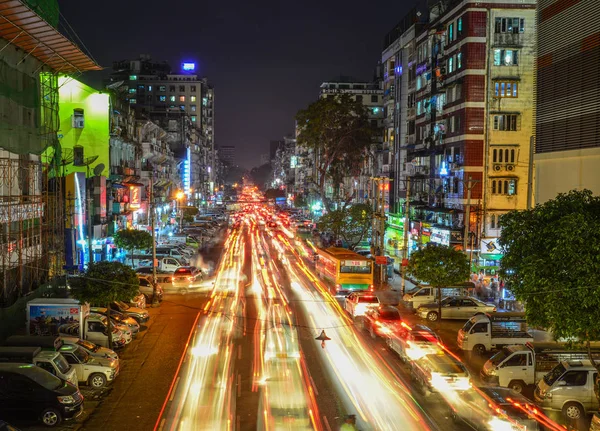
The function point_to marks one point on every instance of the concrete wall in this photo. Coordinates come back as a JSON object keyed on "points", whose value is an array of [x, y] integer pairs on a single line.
{"points": [[563, 171]]}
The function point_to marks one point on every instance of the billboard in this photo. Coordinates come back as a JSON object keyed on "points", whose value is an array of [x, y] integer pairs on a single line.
{"points": [[135, 198], [47, 319]]}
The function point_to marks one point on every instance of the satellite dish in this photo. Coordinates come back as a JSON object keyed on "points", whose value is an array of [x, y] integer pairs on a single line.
{"points": [[85, 162], [98, 169]]}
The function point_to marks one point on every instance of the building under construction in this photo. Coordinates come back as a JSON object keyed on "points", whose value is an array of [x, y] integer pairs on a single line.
{"points": [[33, 53]]}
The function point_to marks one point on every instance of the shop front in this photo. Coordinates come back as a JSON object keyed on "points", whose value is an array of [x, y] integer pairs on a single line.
{"points": [[447, 236], [394, 235], [490, 256]]}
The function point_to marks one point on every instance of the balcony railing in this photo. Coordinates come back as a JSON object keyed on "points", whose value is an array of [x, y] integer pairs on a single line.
{"points": [[509, 39]]}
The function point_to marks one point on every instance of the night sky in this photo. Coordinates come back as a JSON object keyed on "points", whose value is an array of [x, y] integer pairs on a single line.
{"points": [[265, 59]]}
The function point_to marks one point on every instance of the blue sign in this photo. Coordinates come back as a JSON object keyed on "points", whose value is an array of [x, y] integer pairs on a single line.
{"points": [[188, 67]]}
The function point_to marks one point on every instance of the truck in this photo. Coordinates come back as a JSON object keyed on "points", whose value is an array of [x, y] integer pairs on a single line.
{"points": [[66, 316], [95, 372], [492, 331], [51, 361], [570, 387], [163, 263], [519, 366]]}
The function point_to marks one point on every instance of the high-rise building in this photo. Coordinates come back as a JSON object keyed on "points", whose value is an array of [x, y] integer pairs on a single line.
{"points": [[464, 120], [227, 154], [567, 142]]}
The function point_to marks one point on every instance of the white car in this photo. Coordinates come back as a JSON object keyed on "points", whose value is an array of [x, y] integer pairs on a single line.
{"points": [[358, 302], [92, 349], [123, 329]]}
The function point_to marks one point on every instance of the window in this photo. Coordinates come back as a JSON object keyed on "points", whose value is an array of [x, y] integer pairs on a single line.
{"points": [[149, 88], [510, 25], [359, 98], [450, 32], [162, 98], [518, 360], [451, 64], [192, 98], [503, 155], [459, 60], [419, 107], [182, 88], [162, 88], [132, 91], [506, 57], [575, 378], [507, 122], [193, 118], [133, 77], [504, 186], [479, 328], [132, 101], [374, 98], [171, 88], [494, 221], [204, 101], [172, 98], [454, 124], [141, 87], [192, 88], [459, 26], [182, 98], [506, 89], [182, 107], [193, 108]]}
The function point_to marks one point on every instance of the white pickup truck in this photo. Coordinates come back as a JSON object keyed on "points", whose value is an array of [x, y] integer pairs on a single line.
{"points": [[485, 332], [518, 366]]}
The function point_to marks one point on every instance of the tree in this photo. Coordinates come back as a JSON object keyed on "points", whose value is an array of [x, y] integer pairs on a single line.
{"points": [[551, 262], [105, 282], [188, 214], [339, 132], [300, 201], [133, 239], [439, 266], [349, 223]]}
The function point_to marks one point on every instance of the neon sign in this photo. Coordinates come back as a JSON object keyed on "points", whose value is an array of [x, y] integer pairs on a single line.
{"points": [[188, 67]]}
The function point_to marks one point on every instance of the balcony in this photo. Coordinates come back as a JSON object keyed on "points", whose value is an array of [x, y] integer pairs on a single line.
{"points": [[509, 39]]}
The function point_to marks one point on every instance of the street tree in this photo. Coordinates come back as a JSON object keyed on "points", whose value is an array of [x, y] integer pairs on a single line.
{"points": [[188, 214], [103, 283], [133, 239], [552, 263], [350, 223], [338, 130], [300, 201], [439, 266]]}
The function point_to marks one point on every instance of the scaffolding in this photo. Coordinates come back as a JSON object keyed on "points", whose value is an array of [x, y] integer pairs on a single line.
{"points": [[31, 196]]}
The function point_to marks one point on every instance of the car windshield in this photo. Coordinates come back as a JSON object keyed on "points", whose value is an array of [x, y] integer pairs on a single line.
{"points": [[467, 326], [89, 346], [390, 315], [499, 357], [122, 305], [81, 354], [368, 299], [61, 364], [553, 375], [47, 380]]}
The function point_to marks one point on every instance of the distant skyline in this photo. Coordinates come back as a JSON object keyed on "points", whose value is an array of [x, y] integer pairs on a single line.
{"points": [[266, 61]]}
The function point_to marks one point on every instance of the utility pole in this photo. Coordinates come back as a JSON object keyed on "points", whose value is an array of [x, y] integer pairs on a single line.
{"points": [[155, 302], [90, 201], [378, 246], [405, 234], [470, 184]]}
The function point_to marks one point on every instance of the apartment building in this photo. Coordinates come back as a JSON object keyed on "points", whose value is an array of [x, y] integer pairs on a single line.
{"points": [[472, 67]]}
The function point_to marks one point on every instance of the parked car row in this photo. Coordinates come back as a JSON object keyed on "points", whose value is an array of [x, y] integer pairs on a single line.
{"points": [[40, 376]]}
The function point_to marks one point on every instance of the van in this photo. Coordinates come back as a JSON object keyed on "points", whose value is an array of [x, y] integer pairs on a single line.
{"points": [[425, 294], [52, 362], [569, 387], [28, 392]]}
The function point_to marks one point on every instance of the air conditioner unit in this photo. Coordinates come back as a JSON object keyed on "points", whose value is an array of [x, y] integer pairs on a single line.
{"points": [[510, 168], [497, 168]]}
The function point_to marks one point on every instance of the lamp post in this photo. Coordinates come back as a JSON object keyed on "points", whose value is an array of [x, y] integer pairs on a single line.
{"points": [[178, 196]]}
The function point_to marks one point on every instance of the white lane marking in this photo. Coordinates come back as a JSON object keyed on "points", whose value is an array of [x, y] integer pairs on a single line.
{"points": [[174, 389]]}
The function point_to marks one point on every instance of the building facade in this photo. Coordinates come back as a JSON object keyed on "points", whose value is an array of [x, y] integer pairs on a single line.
{"points": [[567, 143], [464, 133]]}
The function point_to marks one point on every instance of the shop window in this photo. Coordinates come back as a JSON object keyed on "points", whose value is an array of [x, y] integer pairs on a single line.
{"points": [[504, 186], [507, 122]]}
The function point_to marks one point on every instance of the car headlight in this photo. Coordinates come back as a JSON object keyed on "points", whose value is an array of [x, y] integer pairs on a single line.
{"points": [[497, 424], [66, 399], [492, 372]]}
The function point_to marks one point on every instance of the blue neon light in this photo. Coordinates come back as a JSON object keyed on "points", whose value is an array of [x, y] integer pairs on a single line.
{"points": [[187, 173], [188, 67]]}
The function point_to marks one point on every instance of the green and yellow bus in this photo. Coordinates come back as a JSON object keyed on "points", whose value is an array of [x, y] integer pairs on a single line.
{"points": [[346, 270]]}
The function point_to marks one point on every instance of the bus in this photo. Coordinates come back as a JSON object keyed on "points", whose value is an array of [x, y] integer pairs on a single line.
{"points": [[346, 270]]}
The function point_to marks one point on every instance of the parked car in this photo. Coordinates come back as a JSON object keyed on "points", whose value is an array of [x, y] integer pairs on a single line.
{"points": [[28, 392], [120, 318], [455, 307], [358, 302], [92, 349], [95, 372], [189, 271], [495, 408], [382, 321], [147, 286], [142, 316], [148, 270]]}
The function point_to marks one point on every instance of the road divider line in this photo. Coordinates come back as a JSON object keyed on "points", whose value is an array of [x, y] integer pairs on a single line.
{"points": [[174, 388], [312, 382], [326, 423], [162, 425], [160, 420]]}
